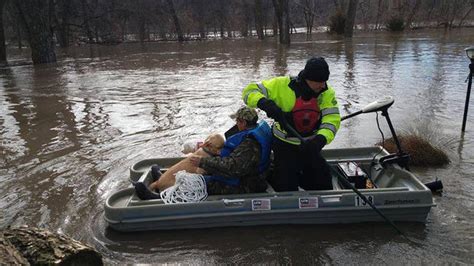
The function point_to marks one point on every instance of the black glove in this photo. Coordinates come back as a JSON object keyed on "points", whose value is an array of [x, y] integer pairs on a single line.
{"points": [[313, 146], [317, 143], [270, 107]]}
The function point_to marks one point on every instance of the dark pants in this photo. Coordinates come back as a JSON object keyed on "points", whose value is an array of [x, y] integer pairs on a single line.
{"points": [[293, 168]]}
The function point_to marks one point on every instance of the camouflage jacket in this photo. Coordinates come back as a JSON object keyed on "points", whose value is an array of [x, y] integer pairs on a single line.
{"points": [[242, 163]]}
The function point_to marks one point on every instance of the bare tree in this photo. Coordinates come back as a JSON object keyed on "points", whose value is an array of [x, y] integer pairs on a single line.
{"points": [[283, 20], [457, 9], [112, 21], [350, 18], [86, 21], [412, 13], [466, 14], [177, 25], [34, 17], [365, 13], [379, 14], [308, 7], [3, 50], [259, 19], [245, 17], [61, 13]]}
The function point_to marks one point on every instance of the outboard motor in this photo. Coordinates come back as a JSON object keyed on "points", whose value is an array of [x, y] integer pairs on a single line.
{"points": [[435, 186]]}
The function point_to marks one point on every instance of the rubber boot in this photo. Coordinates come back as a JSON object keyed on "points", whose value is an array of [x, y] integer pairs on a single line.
{"points": [[155, 172], [144, 193]]}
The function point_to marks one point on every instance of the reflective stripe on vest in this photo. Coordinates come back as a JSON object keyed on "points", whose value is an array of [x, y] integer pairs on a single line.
{"points": [[279, 133], [260, 89], [330, 111], [246, 97], [328, 126], [263, 89]]}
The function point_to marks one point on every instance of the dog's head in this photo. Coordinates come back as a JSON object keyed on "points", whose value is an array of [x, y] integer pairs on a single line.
{"points": [[214, 143]]}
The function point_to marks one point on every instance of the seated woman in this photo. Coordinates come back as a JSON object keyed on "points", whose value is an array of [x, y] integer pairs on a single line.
{"points": [[242, 163], [211, 147]]}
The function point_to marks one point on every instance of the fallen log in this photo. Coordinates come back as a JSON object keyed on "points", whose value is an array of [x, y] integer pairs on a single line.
{"points": [[38, 246], [9, 255]]}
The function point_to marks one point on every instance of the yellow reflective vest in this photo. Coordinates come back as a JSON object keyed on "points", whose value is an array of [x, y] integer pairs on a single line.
{"points": [[278, 90]]}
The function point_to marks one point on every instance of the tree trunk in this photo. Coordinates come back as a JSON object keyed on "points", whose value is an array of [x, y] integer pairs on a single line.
{"points": [[465, 15], [141, 28], [259, 19], [246, 17], [277, 8], [18, 34], [34, 17], [175, 20], [3, 50], [283, 19], [350, 18], [86, 18], [61, 19], [222, 14], [413, 13], [308, 8], [221, 30], [379, 15], [275, 27], [285, 23], [40, 247]]}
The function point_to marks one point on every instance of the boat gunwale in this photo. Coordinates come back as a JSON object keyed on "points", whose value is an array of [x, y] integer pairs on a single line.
{"points": [[263, 213]]}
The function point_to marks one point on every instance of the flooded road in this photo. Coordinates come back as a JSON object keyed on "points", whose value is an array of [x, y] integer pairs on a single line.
{"points": [[70, 131]]}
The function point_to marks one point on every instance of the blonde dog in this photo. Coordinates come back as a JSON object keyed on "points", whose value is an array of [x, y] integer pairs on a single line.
{"points": [[211, 147]]}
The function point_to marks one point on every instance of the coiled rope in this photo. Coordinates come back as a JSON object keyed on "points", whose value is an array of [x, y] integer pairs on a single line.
{"points": [[187, 188]]}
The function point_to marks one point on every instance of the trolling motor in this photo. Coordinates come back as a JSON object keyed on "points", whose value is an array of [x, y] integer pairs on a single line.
{"points": [[382, 105], [401, 158]]}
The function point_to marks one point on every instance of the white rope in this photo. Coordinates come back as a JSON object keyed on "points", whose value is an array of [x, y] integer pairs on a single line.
{"points": [[187, 188]]}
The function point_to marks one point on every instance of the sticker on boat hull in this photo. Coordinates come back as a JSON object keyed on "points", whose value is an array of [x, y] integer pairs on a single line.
{"points": [[308, 203], [261, 205]]}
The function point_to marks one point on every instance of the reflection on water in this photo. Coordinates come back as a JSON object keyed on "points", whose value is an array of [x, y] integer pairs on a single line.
{"points": [[70, 130]]}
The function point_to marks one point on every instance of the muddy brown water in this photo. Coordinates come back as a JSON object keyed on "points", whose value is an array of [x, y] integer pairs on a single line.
{"points": [[70, 131]]}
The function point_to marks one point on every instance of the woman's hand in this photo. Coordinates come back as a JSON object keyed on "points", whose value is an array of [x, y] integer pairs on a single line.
{"points": [[200, 171]]}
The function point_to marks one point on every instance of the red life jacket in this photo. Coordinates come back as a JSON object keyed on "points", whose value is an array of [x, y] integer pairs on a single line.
{"points": [[306, 115]]}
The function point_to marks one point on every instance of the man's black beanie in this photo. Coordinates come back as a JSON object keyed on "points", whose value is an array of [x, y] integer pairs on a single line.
{"points": [[316, 69]]}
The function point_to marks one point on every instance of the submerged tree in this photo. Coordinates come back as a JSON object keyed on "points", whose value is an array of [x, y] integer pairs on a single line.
{"points": [[111, 21], [177, 25], [34, 16], [282, 9], [61, 14], [259, 19], [350, 18], [309, 7], [3, 51]]}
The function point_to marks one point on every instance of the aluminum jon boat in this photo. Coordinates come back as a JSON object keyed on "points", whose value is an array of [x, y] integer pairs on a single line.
{"points": [[396, 192]]}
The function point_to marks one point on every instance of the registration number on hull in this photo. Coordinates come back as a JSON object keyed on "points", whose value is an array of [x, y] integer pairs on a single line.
{"points": [[359, 202]]}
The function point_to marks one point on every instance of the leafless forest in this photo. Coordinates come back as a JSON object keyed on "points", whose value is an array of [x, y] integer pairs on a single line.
{"points": [[45, 24]]}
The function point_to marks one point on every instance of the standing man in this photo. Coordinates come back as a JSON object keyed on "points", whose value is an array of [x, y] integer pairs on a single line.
{"points": [[308, 104]]}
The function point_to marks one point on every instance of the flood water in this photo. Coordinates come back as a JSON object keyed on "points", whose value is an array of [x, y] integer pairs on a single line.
{"points": [[69, 132]]}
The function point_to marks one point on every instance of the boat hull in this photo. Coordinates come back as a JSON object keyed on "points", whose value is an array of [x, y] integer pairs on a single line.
{"points": [[400, 196]]}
